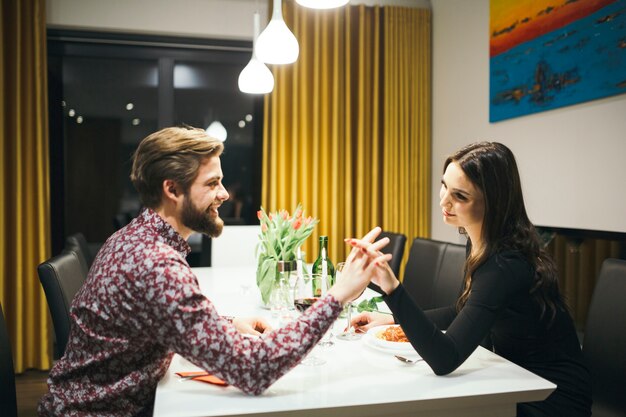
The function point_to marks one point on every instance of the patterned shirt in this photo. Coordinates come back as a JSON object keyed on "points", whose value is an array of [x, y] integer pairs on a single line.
{"points": [[141, 303]]}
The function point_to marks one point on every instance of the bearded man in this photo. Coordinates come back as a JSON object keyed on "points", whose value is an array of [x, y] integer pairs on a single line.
{"points": [[141, 302]]}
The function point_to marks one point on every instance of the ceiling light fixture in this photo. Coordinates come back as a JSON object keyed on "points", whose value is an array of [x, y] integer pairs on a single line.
{"points": [[276, 44], [217, 130], [322, 4], [256, 78]]}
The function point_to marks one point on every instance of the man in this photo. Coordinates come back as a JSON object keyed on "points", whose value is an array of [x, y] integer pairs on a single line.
{"points": [[141, 302]]}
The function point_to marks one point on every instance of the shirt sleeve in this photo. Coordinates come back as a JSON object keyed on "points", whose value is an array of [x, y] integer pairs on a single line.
{"points": [[493, 285], [188, 323]]}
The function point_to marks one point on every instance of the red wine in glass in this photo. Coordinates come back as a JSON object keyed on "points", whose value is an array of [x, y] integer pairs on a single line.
{"points": [[302, 304]]}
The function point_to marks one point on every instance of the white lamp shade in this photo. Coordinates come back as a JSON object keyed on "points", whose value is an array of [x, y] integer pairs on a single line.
{"points": [[322, 4], [276, 44], [217, 130], [256, 78]]}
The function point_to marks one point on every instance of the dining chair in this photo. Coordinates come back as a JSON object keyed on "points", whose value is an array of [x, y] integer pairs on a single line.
{"points": [[236, 246], [397, 243], [78, 244], [604, 344], [433, 275], [61, 278], [8, 397]]}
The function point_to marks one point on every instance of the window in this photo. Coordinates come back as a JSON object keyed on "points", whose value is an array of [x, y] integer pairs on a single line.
{"points": [[109, 91]]}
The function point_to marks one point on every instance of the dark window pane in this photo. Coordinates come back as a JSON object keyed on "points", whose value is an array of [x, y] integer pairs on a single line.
{"points": [[109, 106], [205, 93]]}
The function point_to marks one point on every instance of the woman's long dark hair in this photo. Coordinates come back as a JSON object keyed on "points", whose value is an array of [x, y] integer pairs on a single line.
{"points": [[491, 167]]}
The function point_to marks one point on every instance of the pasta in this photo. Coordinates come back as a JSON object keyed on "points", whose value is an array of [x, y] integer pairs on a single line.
{"points": [[393, 334]]}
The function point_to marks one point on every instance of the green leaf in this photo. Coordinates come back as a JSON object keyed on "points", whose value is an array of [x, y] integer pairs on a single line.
{"points": [[266, 277], [370, 305]]}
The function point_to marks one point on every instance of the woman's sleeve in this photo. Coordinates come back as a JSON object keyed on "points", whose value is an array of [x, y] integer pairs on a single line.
{"points": [[492, 286]]}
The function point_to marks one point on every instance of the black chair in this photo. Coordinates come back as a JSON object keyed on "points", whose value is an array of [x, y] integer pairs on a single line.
{"points": [[397, 242], [604, 345], [433, 275], [61, 278], [8, 397], [78, 244]]}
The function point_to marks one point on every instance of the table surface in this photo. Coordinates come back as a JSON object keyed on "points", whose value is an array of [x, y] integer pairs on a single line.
{"points": [[356, 380]]}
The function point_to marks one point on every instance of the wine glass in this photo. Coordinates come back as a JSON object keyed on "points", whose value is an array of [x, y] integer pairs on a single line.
{"points": [[303, 298], [323, 282], [349, 334]]}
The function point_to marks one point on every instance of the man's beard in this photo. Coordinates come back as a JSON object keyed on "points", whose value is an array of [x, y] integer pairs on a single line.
{"points": [[200, 221]]}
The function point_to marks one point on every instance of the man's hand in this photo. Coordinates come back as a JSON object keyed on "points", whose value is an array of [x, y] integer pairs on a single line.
{"points": [[251, 325]]}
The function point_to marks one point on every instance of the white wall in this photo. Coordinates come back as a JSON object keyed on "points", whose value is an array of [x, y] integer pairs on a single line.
{"points": [[572, 160], [221, 19]]}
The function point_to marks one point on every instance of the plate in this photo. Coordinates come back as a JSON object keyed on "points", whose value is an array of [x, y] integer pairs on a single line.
{"points": [[371, 339]]}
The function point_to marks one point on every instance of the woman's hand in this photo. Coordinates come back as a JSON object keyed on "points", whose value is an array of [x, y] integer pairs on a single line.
{"points": [[365, 321], [360, 268], [251, 325], [383, 276]]}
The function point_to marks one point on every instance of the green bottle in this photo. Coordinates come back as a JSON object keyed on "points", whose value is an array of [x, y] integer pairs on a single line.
{"points": [[318, 266]]}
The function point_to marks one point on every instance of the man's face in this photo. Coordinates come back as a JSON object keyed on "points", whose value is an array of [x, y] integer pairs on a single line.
{"points": [[206, 194]]}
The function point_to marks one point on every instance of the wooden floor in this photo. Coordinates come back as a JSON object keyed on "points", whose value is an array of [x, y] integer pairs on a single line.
{"points": [[30, 386]]}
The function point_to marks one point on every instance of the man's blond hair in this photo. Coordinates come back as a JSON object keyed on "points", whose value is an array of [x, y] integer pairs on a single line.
{"points": [[173, 153]]}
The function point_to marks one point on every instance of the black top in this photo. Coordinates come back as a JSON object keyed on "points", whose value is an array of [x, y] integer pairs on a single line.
{"points": [[500, 308]]}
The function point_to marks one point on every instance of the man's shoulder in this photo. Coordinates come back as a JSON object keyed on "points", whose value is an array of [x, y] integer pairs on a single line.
{"points": [[139, 245]]}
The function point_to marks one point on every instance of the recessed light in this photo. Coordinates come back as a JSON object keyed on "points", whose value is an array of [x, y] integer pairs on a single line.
{"points": [[130, 106]]}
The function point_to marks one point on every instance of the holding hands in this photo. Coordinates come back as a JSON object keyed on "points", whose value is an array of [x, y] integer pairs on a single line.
{"points": [[362, 265]]}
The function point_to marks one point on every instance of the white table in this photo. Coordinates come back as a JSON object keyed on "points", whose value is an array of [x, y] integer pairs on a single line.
{"points": [[356, 380]]}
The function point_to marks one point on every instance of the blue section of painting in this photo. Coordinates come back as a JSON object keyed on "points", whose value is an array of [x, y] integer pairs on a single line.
{"points": [[582, 61]]}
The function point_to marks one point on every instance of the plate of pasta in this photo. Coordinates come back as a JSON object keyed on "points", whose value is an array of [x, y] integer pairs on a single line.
{"points": [[390, 338]]}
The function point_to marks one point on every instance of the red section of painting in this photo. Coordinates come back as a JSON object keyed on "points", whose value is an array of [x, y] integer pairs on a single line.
{"points": [[523, 28]]}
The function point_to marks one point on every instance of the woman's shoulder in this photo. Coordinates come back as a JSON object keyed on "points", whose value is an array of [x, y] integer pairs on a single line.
{"points": [[510, 264]]}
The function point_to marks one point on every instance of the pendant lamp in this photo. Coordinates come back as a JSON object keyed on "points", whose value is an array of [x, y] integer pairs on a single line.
{"points": [[322, 4], [276, 44], [256, 78], [217, 130]]}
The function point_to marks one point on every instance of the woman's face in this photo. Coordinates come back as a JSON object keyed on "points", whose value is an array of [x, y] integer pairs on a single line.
{"points": [[462, 204]]}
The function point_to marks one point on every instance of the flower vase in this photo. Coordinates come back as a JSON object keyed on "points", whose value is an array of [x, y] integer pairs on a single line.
{"points": [[275, 280]]}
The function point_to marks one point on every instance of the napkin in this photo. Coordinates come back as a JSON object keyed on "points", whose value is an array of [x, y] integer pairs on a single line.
{"points": [[203, 377]]}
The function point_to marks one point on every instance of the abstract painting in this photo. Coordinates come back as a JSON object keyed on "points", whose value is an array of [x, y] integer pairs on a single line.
{"points": [[546, 54]]}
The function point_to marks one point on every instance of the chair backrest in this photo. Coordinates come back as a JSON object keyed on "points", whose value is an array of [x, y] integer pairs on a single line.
{"points": [[433, 275], [8, 398], [235, 246], [78, 244], [604, 345], [397, 242], [61, 278]]}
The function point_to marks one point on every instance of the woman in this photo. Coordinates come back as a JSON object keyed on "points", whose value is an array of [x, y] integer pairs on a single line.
{"points": [[510, 292]]}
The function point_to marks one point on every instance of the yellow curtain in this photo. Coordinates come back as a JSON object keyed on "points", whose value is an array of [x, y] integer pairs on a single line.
{"points": [[24, 188], [347, 127]]}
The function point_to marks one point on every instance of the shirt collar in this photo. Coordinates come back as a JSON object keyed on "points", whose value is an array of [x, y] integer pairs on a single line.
{"points": [[166, 231]]}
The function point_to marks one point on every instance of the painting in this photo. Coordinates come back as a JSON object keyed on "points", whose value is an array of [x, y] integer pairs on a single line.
{"points": [[546, 54]]}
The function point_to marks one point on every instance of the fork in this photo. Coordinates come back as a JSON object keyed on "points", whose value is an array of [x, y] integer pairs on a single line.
{"points": [[407, 360], [188, 377]]}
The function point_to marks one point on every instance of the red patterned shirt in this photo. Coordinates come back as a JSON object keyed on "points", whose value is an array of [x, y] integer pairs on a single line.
{"points": [[141, 303]]}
